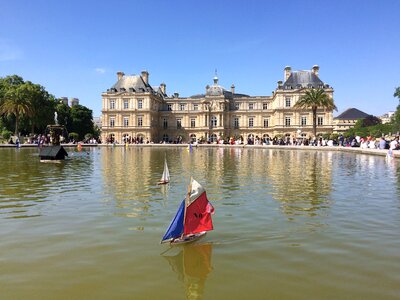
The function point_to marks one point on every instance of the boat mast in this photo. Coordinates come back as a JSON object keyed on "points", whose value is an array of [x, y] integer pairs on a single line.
{"points": [[187, 200]]}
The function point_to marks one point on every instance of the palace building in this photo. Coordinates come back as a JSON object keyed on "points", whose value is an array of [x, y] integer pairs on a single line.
{"points": [[133, 109]]}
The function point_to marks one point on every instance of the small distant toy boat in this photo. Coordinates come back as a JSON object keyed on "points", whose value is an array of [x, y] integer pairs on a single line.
{"points": [[193, 218], [165, 176]]}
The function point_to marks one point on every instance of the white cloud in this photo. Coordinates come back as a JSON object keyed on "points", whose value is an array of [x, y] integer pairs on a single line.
{"points": [[9, 51], [100, 70]]}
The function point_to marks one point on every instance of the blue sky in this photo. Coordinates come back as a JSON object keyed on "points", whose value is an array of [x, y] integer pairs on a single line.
{"points": [[75, 48]]}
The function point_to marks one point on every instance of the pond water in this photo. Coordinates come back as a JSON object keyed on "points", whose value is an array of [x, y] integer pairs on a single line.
{"points": [[288, 225]]}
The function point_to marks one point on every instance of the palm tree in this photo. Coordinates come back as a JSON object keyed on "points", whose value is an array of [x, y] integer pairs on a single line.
{"points": [[397, 93], [314, 99], [16, 102]]}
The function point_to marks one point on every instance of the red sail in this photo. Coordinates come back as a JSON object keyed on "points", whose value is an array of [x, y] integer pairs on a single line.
{"points": [[198, 216]]}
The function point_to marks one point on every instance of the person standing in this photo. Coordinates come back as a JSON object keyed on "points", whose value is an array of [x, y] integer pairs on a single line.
{"points": [[394, 144]]}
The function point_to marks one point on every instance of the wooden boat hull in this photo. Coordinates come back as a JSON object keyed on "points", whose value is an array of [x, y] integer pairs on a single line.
{"points": [[189, 238], [163, 182]]}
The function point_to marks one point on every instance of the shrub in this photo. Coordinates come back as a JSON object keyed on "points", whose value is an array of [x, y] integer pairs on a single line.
{"points": [[334, 136], [73, 136], [6, 134]]}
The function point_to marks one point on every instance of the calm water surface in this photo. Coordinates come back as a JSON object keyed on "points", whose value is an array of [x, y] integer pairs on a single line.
{"points": [[288, 225]]}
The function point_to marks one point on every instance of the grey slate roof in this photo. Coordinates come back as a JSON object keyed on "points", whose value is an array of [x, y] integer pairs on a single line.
{"points": [[303, 79], [132, 82], [352, 114]]}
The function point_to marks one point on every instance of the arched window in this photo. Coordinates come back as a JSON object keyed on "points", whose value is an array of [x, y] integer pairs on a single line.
{"points": [[213, 138], [193, 138], [250, 139], [140, 138], [125, 138], [111, 138], [165, 138]]}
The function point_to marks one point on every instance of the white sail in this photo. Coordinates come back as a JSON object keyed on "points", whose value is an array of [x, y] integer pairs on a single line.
{"points": [[165, 175]]}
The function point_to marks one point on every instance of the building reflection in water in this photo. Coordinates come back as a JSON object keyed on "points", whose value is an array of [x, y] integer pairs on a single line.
{"points": [[127, 177], [192, 265], [301, 180]]}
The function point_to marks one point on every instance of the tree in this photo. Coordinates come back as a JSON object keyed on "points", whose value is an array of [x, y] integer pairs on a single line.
{"points": [[5, 83], [82, 120], [314, 99], [42, 108], [64, 115], [15, 101], [396, 116], [26, 104], [397, 93], [370, 120]]}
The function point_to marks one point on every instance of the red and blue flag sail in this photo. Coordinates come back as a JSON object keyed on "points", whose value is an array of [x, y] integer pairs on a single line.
{"points": [[198, 211], [175, 229], [193, 215]]}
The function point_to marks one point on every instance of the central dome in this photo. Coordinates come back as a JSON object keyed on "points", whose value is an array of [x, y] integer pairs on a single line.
{"points": [[215, 89]]}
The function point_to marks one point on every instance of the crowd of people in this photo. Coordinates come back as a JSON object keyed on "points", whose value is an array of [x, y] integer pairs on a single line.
{"points": [[368, 142]]}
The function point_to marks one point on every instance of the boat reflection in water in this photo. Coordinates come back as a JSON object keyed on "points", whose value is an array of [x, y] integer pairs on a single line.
{"points": [[192, 264]]}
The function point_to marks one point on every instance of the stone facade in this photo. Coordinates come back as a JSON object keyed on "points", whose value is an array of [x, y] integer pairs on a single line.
{"points": [[134, 109]]}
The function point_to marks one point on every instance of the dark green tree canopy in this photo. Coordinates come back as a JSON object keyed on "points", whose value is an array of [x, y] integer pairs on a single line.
{"points": [[396, 117], [29, 105], [28, 108], [82, 120], [370, 121]]}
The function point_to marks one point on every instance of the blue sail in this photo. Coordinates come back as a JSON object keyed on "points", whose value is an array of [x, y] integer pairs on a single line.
{"points": [[175, 229]]}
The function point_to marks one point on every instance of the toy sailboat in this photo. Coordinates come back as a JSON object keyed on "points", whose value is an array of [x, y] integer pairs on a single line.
{"points": [[165, 176], [193, 218]]}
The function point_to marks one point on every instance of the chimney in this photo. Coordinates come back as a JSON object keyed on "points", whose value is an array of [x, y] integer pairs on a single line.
{"points": [[163, 88], [145, 77], [315, 69], [120, 75], [232, 88], [288, 70]]}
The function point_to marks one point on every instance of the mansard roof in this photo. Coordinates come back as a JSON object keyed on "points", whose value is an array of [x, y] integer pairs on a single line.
{"points": [[134, 82], [352, 114], [303, 79]]}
